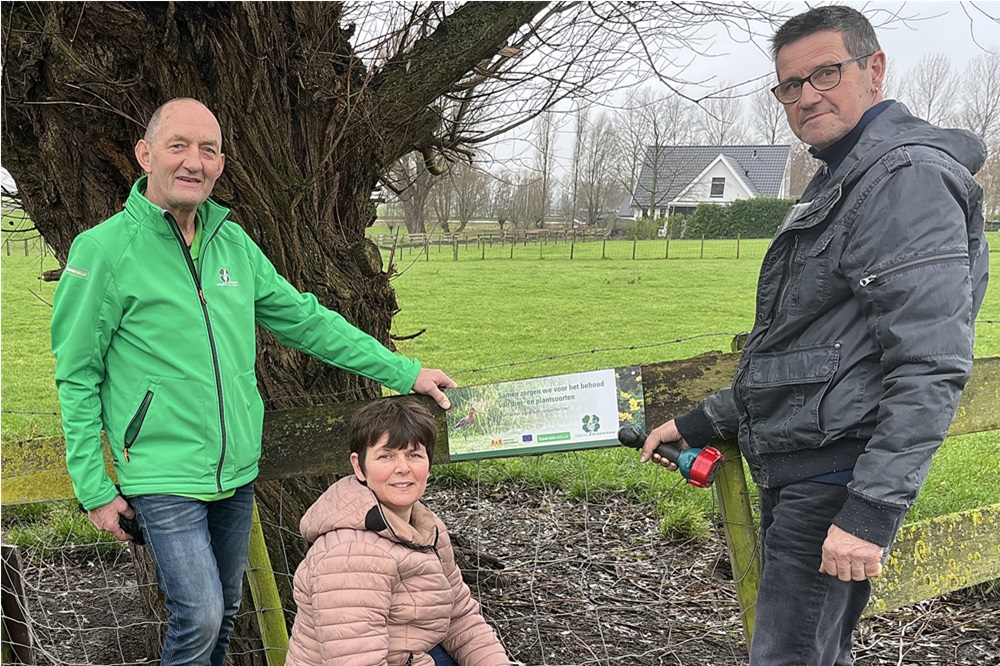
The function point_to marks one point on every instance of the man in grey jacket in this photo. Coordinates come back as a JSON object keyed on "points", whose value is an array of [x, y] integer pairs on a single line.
{"points": [[862, 341]]}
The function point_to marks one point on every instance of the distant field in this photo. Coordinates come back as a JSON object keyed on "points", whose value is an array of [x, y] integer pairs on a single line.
{"points": [[497, 319]]}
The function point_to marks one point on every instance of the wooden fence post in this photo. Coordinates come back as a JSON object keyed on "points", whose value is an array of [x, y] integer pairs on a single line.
{"points": [[572, 245], [741, 534], [737, 246], [17, 645], [266, 598], [635, 241], [702, 247]]}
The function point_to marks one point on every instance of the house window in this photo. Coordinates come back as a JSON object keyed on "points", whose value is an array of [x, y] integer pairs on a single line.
{"points": [[718, 188]]}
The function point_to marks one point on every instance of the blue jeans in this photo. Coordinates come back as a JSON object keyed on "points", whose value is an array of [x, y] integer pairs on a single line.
{"points": [[199, 550], [803, 617]]}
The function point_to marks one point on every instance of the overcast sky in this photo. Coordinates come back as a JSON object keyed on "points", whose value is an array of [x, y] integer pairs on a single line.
{"points": [[952, 28]]}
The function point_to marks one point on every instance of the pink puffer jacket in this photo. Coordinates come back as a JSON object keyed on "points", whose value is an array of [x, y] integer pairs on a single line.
{"points": [[375, 591]]}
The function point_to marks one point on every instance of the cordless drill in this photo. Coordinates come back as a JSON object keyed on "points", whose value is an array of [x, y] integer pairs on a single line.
{"points": [[699, 466]]}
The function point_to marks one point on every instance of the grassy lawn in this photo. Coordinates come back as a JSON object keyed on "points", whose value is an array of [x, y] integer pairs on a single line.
{"points": [[498, 319], [27, 373]]}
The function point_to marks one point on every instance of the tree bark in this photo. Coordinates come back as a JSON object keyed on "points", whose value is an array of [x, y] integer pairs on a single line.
{"points": [[307, 130]]}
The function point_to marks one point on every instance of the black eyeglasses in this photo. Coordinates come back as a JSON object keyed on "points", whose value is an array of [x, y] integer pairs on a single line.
{"points": [[823, 79]]}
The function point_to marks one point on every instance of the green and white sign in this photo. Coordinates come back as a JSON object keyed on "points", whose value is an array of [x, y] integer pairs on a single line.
{"points": [[559, 413]]}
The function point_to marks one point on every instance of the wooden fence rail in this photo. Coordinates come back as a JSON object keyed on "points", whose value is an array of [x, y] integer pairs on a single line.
{"points": [[930, 557]]}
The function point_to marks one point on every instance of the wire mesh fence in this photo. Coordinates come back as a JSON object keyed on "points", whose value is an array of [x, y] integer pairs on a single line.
{"points": [[28, 245], [561, 246], [565, 571], [565, 577]]}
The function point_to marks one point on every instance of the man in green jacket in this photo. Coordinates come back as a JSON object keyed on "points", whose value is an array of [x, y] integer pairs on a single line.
{"points": [[153, 329]]}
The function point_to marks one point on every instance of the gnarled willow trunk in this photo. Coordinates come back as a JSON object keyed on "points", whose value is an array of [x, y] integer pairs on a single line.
{"points": [[307, 130]]}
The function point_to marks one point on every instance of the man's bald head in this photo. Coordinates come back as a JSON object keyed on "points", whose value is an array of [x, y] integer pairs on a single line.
{"points": [[155, 120]]}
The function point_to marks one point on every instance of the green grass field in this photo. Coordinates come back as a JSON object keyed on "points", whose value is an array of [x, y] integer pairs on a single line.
{"points": [[497, 319]]}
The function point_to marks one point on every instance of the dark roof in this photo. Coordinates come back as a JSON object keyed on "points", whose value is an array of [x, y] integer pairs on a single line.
{"points": [[762, 167]]}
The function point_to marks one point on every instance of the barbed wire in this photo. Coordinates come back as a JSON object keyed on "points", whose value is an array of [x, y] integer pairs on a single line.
{"points": [[555, 357]]}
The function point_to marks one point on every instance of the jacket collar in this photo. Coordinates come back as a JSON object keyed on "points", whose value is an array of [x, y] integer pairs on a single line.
{"points": [[895, 127], [152, 216], [349, 504], [835, 155], [420, 533]]}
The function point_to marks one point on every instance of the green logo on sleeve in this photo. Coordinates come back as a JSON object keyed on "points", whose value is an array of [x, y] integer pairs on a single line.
{"points": [[77, 271]]}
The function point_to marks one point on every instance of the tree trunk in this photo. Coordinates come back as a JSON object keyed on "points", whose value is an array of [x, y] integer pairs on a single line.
{"points": [[307, 131]]}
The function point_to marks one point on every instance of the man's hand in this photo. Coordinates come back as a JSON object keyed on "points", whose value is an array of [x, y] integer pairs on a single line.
{"points": [[430, 382], [849, 557], [105, 518], [665, 433]]}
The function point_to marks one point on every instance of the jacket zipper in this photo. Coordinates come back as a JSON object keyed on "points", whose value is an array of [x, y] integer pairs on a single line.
{"points": [[211, 336], [868, 279], [135, 425]]}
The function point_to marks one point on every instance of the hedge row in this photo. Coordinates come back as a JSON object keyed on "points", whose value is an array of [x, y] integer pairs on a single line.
{"points": [[749, 218]]}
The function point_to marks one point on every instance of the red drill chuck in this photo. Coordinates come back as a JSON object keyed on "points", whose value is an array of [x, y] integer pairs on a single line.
{"points": [[699, 466]]}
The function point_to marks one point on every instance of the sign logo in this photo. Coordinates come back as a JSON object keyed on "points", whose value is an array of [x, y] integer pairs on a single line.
{"points": [[224, 279], [591, 423]]}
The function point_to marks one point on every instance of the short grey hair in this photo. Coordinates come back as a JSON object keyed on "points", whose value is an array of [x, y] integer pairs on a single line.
{"points": [[857, 33]]}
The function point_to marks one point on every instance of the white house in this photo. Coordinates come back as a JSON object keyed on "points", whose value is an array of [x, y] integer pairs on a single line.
{"points": [[686, 176]]}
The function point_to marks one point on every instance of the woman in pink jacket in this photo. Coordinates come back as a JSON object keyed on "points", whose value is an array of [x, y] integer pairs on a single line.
{"points": [[379, 585]]}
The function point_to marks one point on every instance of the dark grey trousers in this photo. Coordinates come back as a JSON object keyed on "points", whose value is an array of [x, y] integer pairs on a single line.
{"points": [[803, 617]]}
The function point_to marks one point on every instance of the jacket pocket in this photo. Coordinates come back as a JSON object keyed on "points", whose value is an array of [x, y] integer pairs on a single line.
{"points": [[167, 433], [135, 425], [245, 419], [810, 272], [784, 392]]}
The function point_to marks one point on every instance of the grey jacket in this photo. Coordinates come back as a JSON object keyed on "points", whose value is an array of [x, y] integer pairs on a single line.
{"points": [[864, 328]]}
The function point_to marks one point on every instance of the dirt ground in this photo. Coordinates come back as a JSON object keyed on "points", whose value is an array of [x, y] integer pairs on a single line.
{"points": [[564, 582]]}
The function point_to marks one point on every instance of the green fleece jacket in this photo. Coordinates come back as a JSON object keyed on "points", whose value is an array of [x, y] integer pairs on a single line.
{"points": [[161, 356]]}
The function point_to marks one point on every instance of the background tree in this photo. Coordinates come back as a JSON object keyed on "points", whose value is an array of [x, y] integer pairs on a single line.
{"points": [[647, 128], [989, 179], [581, 121], [442, 195], [981, 97], [412, 185], [930, 89], [501, 197], [720, 121], [980, 113], [470, 187], [546, 133], [599, 191], [767, 119]]}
